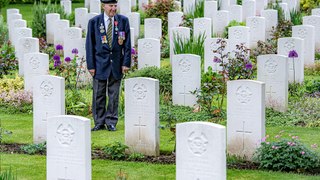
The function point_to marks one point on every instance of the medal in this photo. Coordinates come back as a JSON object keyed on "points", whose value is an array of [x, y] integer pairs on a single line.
{"points": [[101, 28], [104, 39], [121, 37], [116, 27]]}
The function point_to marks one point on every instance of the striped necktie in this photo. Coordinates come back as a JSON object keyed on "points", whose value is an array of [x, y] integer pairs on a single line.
{"points": [[109, 32]]}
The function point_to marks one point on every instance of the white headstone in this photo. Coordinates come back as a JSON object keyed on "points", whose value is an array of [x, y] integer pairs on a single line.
{"points": [[142, 115], [124, 7], [186, 78], [174, 19], [35, 64], [20, 33], [48, 100], [17, 23], [285, 9], [238, 35], [210, 9], [50, 26], [202, 27], [260, 5], [314, 21], [68, 148], [271, 16], [81, 17], [236, 13], [188, 6], [220, 22], [257, 27], [245, 116], [134, 21], [273, 71], [133, 4], [12, 11], [224, 5], [152, 28], [59, 31], [210, 45], [72, 37], [296, 65], [182, 33], [248, 9], [87, 4], [26, 45], [292, 4], [149, 52], [315, 12], [201, 151], [133, 42], [11, 18], [67, 6], [142, 4], [307, 33], [95, 6]]}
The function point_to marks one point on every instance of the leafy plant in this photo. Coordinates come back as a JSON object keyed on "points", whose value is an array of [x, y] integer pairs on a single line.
{"points": [[116, 151], [34, 148], [285, 154], [8, 61], [264, 47], [8, 175], [307, 5], [283, 29], [159, 9], [313, 70], [190, 46], [296, 17], [195, 12], [39, 17], [3, 30], [3, 4], [135, 156]]}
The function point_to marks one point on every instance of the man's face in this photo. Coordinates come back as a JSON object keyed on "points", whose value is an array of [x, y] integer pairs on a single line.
{"points": [[110, 9]]}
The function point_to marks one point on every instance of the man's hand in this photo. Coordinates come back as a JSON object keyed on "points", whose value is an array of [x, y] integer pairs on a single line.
{"points": [[92, 72], [125, 69]]}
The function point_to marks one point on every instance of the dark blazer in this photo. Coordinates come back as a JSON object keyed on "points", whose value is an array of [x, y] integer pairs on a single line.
{"points": [[100, 56]]}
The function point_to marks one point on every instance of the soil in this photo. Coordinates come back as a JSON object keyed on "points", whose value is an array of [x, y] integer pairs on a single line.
{"points": [[99, 154]]}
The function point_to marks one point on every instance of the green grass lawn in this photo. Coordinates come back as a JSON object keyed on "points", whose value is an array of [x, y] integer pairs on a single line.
{"points": [[34, 168]]}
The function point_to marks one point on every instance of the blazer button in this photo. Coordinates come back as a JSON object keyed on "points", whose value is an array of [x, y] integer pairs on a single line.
{"points": [[110, 52], [110, 60]]}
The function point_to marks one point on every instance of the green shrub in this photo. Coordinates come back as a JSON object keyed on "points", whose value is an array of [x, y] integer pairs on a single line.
{"points": [[164, 75], [296, 17], [296, 90], [39, 17], [116, 151], [283, 29], [3, 4], [187, 20], [135, 156], [313, 70], [307, 5], [160, 9], [8, 61], [312, 86], [264, 47], [4, 34], [34, 148], [287, 155]]}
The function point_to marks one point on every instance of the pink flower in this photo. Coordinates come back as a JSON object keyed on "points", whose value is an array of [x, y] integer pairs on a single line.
{"points": [[314, 146], [302, 152], [277, 136], [273, 147], [289, 143], [267, 142]]}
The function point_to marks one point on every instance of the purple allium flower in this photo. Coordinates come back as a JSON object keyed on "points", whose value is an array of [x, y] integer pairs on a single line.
{"points": [[56, 57], [75, 51], [59, 47], [248, 66], [133, 51], [216, 59], [57, 63], [67, 59], [293, 54]]}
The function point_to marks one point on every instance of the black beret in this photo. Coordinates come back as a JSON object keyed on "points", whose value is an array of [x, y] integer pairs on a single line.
{"points": [[108, 1]]}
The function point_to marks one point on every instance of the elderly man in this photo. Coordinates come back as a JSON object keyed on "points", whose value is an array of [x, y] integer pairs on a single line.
{"points": [[108, 50]]}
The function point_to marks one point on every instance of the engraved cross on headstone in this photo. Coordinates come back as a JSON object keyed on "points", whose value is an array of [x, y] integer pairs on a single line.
{"points": [[243, 131], [46, 117], [140, 125], [65, 174], [184, 93], [269, 91]]}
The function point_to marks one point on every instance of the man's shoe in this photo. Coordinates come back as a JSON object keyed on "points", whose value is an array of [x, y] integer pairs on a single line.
{"points": [[111, 127], [98, 128]]}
